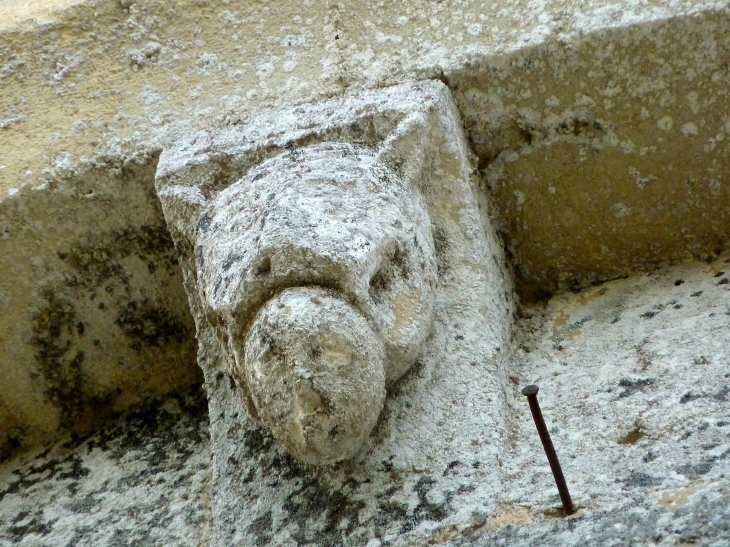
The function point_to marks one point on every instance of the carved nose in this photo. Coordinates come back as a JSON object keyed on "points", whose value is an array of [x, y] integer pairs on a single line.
{"points": [[314, 368]]}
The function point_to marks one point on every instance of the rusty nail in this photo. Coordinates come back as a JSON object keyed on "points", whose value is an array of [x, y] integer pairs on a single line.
{"points": [[531, 393]]}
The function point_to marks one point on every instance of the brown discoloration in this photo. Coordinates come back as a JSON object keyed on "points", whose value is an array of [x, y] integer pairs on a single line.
{"points": [[633, 437], [675, 499], [506, 516]]}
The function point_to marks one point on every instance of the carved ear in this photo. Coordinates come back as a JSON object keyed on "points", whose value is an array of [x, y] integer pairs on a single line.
{"points": [[181, 203], [404, 150]]}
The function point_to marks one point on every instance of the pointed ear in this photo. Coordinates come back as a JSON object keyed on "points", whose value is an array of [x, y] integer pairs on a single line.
{"points": [[182, 206], [404, 150]]}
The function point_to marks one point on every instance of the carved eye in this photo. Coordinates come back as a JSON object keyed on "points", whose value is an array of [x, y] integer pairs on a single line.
{"points": [[263, 267], [394, 267], [380, 283]]}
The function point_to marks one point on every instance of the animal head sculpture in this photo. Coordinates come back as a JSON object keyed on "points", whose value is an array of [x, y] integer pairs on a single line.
{"points": [[317, 272]]}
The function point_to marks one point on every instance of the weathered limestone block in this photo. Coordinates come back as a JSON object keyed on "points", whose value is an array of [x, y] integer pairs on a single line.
{"points": [[329, 216], [93, 314], [326, 250], [601, 132], [606, 153]]}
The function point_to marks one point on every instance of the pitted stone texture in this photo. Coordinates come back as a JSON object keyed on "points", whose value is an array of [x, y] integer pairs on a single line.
{"points": [[441, 432], [93, 314], [329, 215], [144, 480], [635, 388], [187, 64], [314, 368]]}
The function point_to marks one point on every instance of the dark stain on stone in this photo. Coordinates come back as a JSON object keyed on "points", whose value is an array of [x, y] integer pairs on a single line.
{"points": [[231, 260], [641, 480], [721, 394], [149, 323], [262, 528], [204, 222], [356, 130], [441, 246], [394, 266], [58, 359], [62, 356], [256, 441], [162, 438], [581, 127], [288, 467], [85, 504], [70, 467], [450, 467], [426, 510], [331, 509], [151, 429], [633, 385], [319, 513], [263, 267], [696, 470], [386, 465], [35, 526], [95, 263], [689, 396], [578, 324]]}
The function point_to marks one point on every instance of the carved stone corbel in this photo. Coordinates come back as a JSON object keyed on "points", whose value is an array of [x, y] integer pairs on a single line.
{"points": [[317, 271], [327, 251]]}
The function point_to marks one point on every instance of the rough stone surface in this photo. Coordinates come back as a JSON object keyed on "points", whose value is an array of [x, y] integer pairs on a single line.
{"points": [[599, 127], [653, 471], [703, 521], [606, 154], [600, 133], [93, 315], [315, 372], [75, 79], [634, 383], [143, 481], [328, 215], [411, 477]]}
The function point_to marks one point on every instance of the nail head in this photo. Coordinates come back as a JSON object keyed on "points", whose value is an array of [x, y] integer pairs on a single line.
{"points": [[530, 390]]}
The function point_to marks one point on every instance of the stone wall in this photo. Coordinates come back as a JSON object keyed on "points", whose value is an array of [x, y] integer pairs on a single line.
{"points": [[569, 163]]}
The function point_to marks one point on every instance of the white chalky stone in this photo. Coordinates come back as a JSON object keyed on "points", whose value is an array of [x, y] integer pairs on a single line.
{"points": [[329, 215], [314, 368]]}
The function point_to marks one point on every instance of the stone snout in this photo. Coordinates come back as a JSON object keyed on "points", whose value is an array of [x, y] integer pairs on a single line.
{"points": [[317, 271]]}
